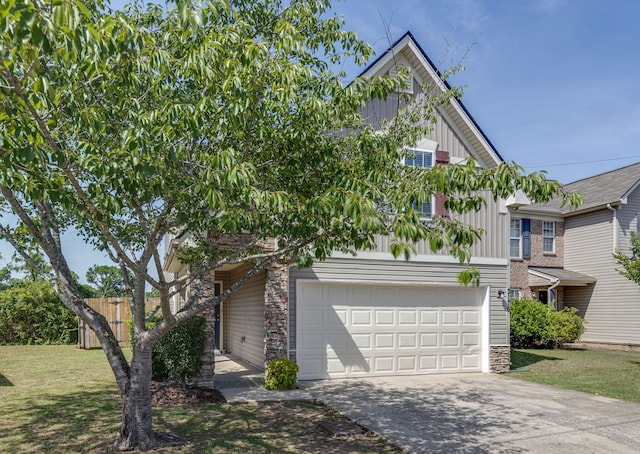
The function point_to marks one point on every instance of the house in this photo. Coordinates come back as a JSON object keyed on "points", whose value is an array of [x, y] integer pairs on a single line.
{"points": [[371, 314], [565, 257]]}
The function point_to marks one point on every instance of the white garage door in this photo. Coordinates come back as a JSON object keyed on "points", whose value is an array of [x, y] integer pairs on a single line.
{"points": [[348, 330]]}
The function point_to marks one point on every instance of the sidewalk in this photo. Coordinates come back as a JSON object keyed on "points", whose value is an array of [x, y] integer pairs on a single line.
{"points": [[242, 382]]}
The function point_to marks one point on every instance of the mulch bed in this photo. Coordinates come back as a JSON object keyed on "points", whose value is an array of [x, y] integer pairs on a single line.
{"points": [[173, 395]]}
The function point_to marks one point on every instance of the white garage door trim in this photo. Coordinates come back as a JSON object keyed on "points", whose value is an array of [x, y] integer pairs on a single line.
{"points": [[317, 357]]}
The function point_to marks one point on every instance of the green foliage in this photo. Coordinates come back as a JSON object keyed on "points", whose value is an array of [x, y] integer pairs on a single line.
{"points": [[178, 354], [109, 280], [534, 324], [631, 265], [32, 313], [529, 323], [566, 325], [281, 374]]}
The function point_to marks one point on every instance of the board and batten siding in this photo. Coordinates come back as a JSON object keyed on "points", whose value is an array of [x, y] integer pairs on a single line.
{"points": [[398, 272], [611, 307], [493, 244], [244, 317]]}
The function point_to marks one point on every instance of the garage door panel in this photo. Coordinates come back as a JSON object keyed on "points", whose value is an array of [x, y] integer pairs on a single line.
{"points": [[361, 317], [386, 330], [385, 317], [407, 317], [407, 340], [449, 362], [450, 317], [429, 317], [470, 361], [470, 339], [471, 317], [407, 363]]}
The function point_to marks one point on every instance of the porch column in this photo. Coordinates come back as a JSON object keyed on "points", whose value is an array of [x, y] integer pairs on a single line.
{"points": [[206, 377], [276, 311]]}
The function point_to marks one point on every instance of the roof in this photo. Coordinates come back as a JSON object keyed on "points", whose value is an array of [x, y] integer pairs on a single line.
{"points": [[611, 187], [486, 149], [551, 275]]}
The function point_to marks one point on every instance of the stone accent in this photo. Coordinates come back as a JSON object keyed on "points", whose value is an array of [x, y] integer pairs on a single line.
{"points": [[499, 358], [207, 372], [208, 358], [276, 308]]}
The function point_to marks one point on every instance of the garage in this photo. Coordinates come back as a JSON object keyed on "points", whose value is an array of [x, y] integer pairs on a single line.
{"points": [[356, 330]]}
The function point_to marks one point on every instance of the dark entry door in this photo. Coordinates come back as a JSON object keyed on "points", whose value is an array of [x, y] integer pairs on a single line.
{"points": [[216, 319]]}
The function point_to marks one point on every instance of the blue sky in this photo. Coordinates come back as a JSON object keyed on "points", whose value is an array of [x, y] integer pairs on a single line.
{"points": [[554, 84]]}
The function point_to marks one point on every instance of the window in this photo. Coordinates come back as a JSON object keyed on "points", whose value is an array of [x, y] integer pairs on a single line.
{"points": [[515, 242], [548, 236], [515, 293], [423, 159]]}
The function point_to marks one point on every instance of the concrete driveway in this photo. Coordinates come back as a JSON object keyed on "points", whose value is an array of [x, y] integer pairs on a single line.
{"points": [[481, 413]]}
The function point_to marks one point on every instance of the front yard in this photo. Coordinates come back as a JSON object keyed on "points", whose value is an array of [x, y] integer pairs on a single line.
{"points": [[610, 374], [60, 399]]}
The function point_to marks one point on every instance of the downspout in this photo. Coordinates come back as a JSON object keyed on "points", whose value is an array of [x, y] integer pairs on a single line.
{"points": [[553, 286], [615, 226]]}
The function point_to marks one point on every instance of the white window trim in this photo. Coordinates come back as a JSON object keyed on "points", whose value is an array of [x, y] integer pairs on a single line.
{"points": [[553, 237], [433, 197], [519, 238]]}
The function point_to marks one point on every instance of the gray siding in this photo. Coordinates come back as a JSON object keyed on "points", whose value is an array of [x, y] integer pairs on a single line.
{"points": [[399, 271], [494, 243], [244, 314], [611, 307]]}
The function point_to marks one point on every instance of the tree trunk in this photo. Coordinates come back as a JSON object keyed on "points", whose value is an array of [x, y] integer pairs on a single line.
{"points": [[136, 430]]}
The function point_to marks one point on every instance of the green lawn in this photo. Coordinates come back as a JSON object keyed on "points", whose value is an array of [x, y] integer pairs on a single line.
{"points": [[611, 374], [61, 399]]}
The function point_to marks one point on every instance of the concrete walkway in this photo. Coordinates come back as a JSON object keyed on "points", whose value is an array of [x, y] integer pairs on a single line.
{"points": [[462, 413]]}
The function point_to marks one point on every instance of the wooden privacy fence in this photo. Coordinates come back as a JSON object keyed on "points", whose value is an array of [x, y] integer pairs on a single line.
{"points": [[117, 311]]}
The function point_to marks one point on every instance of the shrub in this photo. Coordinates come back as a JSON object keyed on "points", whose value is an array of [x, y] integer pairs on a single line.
{"points": [[534, 324], [177, 356], [566, 325], [529, 323], [281, 374], [32, 313]]}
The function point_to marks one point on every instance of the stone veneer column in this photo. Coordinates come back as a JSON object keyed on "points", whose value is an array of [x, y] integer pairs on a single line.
{"points": [[276, 303], [499, 358], [205, 379]]}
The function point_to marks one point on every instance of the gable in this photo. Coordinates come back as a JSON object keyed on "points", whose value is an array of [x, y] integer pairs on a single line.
{"points": [[454, 130]]}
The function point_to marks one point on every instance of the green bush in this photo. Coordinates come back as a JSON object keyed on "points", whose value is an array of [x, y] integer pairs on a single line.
{"points": [[566, 325], [534, 324], [281, 374], [178, 354], [32, 313]]}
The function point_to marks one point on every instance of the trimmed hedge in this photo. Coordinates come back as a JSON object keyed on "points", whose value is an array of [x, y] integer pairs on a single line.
{"points": [[32, 313], [534, 324]]}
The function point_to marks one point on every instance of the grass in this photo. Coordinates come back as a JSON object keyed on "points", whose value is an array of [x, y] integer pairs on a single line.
{"points": [[61, 399], [610, 374]]}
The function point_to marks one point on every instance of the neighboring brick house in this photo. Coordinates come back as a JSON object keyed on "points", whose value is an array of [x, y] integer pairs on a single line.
{"points": [[579, 270], [536, 249], [371, 314]]}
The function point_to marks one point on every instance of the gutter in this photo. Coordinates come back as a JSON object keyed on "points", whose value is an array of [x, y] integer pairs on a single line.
{"points": [[553, 286], [615, 225]]}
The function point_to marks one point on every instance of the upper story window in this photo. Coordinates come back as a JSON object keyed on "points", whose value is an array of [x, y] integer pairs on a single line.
{"points": [[515, 238], [548, 236], [520, 238], [423, 159]]}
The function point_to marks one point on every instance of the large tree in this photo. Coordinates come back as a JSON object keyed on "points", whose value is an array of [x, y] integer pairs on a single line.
{"points": [[216, 118], [110, 280]]}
